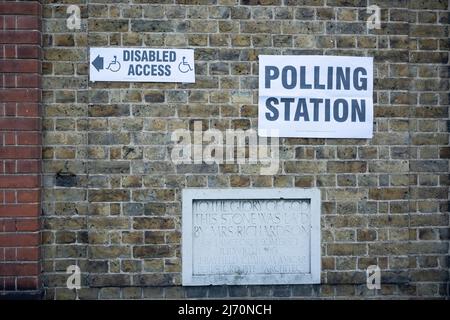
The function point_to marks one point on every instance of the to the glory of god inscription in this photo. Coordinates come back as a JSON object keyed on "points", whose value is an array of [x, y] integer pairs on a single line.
{"points": [[251, 236], [245, 236]]}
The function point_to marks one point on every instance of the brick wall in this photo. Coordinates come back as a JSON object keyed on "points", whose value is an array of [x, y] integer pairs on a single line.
{"points": [[20, 145], [112, 196]]}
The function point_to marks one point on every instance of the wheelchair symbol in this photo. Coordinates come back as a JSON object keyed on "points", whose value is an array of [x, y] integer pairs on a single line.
{"points": [[114, 65], [184, 67]]}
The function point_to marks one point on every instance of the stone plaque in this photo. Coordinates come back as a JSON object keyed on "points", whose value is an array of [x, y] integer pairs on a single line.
{"points": [[251, 236]]}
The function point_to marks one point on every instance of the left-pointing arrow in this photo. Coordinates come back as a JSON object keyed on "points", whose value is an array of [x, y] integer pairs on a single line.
{"points": [[98, 63]]}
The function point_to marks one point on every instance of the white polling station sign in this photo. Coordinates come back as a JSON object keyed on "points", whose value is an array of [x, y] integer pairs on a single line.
{"points": [[142, 65], [316, 96]]}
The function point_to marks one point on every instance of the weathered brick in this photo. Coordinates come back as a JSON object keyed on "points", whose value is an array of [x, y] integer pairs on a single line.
{"points": [[108, 110], [346, 249], [153, 223], [347, 166], [106, 195], [153, 251], [113, 25]]}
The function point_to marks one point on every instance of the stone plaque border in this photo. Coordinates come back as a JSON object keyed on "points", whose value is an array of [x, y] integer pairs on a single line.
{"points": [[189, 195]]}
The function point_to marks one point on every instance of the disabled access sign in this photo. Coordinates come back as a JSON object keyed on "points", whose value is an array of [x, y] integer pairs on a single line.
{"points": [[142, 65]]}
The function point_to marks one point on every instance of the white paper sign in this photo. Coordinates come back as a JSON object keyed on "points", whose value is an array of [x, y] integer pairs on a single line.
{"points": [[142, 65], [316, 96]]}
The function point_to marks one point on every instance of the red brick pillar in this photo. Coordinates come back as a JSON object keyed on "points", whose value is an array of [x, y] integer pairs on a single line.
{"points": [[20, 146]]}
